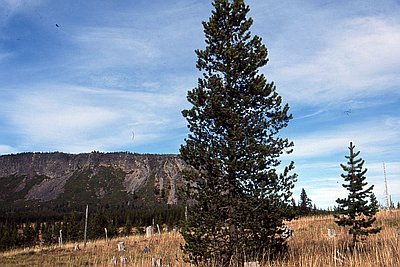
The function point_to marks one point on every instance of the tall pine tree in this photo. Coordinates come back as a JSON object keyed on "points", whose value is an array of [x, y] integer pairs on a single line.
{"points": [[238, 199], [358, 210]]}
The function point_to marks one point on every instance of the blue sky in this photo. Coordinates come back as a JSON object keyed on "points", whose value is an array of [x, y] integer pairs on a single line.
{"points": [[78, 76]]}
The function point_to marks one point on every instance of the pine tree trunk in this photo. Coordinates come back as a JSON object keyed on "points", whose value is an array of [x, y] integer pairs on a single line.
{"points": [[353, 242], [232, 229]]}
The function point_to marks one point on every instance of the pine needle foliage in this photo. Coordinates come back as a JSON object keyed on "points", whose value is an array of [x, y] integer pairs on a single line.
{"points": [[305, 203], [358, 210], [238, 199]]}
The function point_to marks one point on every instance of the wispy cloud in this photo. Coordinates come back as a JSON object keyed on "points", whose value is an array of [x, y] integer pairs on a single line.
{"points": [[6, 149], [330, 52], [373, 137], [4, 55], [359, 57], [74, 119], [375, 176], [108, 46], [56, 117], [8, 8]]}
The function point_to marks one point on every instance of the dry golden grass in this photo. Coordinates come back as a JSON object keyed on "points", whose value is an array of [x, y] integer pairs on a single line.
{"points": [[310, 246], [100, 253]]}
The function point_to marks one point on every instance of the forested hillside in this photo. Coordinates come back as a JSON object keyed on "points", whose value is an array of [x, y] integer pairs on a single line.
{"points": [[42, 193]]}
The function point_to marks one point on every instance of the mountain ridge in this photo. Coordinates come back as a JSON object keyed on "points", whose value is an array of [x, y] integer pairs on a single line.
{"points": [[114, 178]]}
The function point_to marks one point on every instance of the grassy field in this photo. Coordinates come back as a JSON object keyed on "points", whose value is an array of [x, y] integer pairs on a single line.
{"points": [[310, 246]]}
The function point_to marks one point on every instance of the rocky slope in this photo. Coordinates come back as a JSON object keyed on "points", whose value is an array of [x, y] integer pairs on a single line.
{"points": [[107, 178]]}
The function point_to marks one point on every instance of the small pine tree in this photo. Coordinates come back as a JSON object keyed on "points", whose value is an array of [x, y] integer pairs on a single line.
{"points": [[294, 208], [48, 234], [73, 227], [28, 236], [128, 225], [294, 205], [359, 208], [305, 204], [392, 206], [97, 224], [315, 209]]}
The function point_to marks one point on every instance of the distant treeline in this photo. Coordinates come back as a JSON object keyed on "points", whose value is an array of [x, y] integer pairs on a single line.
{"points": [[93, 152], [26, 228]]}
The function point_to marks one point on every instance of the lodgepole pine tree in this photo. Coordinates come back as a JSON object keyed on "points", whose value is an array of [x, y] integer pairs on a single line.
{"points": [[305, 204], [359, 208], [237, 199]]}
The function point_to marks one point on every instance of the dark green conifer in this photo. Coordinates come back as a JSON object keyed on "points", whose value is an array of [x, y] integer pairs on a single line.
{"points": [[358, 210], [28, 237], [238, 200], [73, 227], [97, 223], [48, 233], [305, 204], [128, 225]]}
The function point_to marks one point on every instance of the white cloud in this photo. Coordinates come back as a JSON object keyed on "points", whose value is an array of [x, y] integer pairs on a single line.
{"points": [[57, 116], [4, 55], [374, 136], [78, 119], [6, 149], [375, 176], [326, 197], [359, 57], [108, 46], [9, 8], [11, 5]]}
